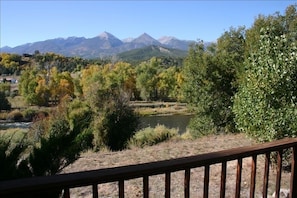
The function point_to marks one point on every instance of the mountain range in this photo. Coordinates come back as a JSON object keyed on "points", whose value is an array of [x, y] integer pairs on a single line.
{"points": [[100, 46]]}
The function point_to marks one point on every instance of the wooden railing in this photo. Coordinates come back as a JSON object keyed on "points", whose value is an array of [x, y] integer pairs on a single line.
{"points": [[64, 182]]}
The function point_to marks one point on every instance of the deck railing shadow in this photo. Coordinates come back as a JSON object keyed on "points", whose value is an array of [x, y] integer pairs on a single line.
{"points": [[41, 186]]}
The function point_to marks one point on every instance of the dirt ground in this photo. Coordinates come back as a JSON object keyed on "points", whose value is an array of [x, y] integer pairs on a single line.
{"points": [[175, 149]]}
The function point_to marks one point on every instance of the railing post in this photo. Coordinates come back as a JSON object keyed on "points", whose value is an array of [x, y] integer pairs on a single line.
{"points": [[206, 181], [279, 172], [238, 178], [293, 185], [95, 190], [223, 179], [253, 176], [121, 189], [167, 184], [187, 183], [266, 174], [145, 186], [66, 193]]}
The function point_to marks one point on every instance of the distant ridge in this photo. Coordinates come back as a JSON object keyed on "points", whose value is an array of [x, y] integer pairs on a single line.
{"points": [[148, 52], [105, 44]]}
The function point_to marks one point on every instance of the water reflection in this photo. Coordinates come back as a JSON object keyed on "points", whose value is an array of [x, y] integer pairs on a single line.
{"points": [[170, 121]]}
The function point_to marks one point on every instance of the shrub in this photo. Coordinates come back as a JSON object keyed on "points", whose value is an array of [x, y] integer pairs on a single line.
{"points": [[118, 125], [29, 114], [4, 103], [201, 125], [15, 115], [151, 136]]}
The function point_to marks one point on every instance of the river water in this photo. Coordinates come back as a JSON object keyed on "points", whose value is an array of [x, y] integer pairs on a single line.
{"points": [[171, 121], [10, 125]]}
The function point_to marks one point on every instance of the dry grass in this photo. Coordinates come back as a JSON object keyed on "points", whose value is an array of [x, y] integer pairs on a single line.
{"points": [[175, 149], [160, 108]]}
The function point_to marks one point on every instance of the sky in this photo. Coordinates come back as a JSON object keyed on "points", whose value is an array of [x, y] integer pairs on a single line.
{"points": [[38, 20]]}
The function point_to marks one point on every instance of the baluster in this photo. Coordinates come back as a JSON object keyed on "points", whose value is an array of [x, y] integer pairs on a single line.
{"points": [[253, 176], [206, 181], [145, 186], [121, 189], [167, 184], [95, 191], [279, 172], [293, 189], [66, 193], [238, 178], [187, 183], [266, 174], [223, 179]]}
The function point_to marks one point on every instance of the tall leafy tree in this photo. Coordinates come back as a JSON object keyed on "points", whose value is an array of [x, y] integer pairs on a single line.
{"points": [[225, 76], [27, 85], [147, 79], [265, 103], [107, 90], [211, 79], [167, 83], [197, 87]]}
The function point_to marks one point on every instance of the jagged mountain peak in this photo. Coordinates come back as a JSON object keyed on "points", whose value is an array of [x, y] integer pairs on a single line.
{"points": [[146, 39], [106, 35], [145, 36]]}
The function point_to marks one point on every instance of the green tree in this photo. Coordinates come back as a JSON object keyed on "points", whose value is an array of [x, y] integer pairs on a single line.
{"points": [[106, 90], [118, 124], [282, 24], [166, 83], [5, 88], [211, 79], [147, 79], [266, 101], [4, 103], [197, 87], [27, 84], [225, 73], [10, 63], [42, 87], [122, 75]]}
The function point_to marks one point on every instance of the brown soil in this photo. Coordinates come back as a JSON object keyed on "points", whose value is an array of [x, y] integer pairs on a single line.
{"points": [[175, 149]]}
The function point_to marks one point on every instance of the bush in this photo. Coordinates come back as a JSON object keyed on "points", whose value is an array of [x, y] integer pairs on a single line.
{"points": [[4, 103], [15, 115], [151, 136], [29, 114], [201, 125], [118, 125]]}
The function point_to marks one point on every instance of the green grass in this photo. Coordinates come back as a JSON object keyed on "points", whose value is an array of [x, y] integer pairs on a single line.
{"points": [[150, 136], [17, 102], [14, 136]]}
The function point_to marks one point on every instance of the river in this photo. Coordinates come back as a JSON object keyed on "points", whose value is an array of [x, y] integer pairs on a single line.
{"points": [[10, 125], [171, 121]]}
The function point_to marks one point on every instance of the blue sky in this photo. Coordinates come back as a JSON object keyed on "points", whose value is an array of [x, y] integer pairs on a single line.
{"points": [[30, 21]]}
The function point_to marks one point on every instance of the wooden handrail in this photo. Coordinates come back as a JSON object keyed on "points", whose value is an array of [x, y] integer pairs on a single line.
{"points": [[119, 174]]}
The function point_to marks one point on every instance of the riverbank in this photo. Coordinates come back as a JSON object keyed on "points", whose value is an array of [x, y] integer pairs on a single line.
{"points": [[160, 108]]}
